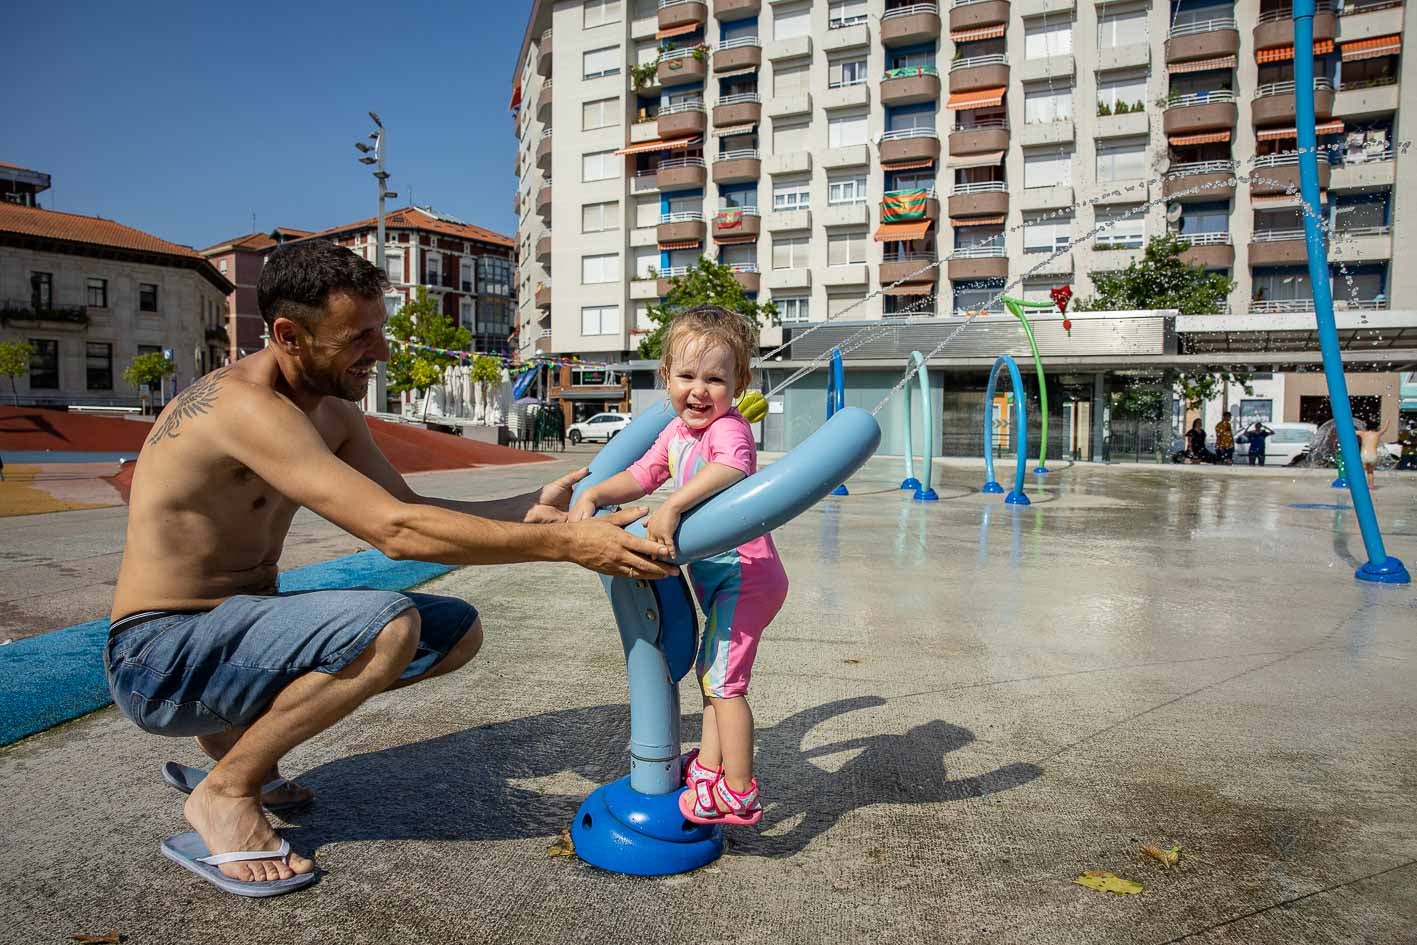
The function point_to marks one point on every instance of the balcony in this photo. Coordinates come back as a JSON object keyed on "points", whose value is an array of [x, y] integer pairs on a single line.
{"points": [[543, 56], [676, 13], [741, 109], [908, 267], [668, 274], [543, 151], [543, 250], [645, 182], [1203, 39], [725, 10], [1279, 173], [543, 200], [1356, 99], [1209, 250], [982, 137], [542, 296], [979, 72], [743, 53], [732, 167], [1273, 103], [911, 24], [543, 102], [984, 199], [733, 222], [543, 344], [681, 173], [747, 275], [1276, 27], [681, 227], [978, 262], [910, 144], [1365, 169], [910, 86], [1359, 244], [1200, 180], [1200, 111], [685, 120], [1278, 248], [968, 14], [517, 203], [682, 66]]}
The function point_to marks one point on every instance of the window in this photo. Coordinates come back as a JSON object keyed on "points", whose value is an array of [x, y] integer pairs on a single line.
{"points": [[600, 62], [688, 203], [846, 130], [840, 303], [913, 59], [599, 165], [1040, 289], [911, 118], [647, 211], [646, 261], [1047, 169], [44, 364], [1042, 104], [600, 12], [793, 310], [791, 193], [600, 268], [601, 113], [791, 79], [1046, 232], [912, 180], [494, 275], [978, 296], [435, 269], [467, 314], [1125, 161], [846, 247], [41, 290], [844, 72], [1128, 88], [221, 266], [1043, 38], [841, 13], [98, 363], [788, 137], [737, 195], [600, 320], [1196, 218], [743, 257], [598, 217], [1125, 227], [394, 263], [790, 252], [849, 189], [147, 297], [1121, 25], [789, 22]]}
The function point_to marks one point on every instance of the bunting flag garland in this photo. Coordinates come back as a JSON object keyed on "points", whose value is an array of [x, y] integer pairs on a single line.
{"points": [[898, 206]]}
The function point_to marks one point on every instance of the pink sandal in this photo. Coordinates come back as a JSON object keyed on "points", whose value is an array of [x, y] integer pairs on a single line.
{"points": [[695, 772], [716, 803]]}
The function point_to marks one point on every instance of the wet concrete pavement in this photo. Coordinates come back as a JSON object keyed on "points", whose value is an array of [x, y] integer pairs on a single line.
{"points": [[961, 707]]}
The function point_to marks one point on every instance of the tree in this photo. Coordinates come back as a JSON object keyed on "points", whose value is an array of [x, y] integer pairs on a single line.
{"points": [[486, 371], [14, 361], [1162, 279], [148, 368], [706, 283], [422, 322]]}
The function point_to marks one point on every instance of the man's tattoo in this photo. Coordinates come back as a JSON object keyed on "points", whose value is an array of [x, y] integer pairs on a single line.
{"points": [[192, 402]]}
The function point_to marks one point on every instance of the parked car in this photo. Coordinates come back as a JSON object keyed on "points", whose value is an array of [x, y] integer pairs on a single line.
{"points": [[599, 428], [1289, 440]]}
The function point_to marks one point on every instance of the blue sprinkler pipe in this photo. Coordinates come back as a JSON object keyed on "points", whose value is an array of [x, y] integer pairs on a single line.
{"points": [[991, 485], [1380, 567], [923, 492], [633, 825], [836, 398]]}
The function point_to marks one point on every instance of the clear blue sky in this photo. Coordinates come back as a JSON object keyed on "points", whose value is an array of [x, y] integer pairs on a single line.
{"points": [[182, 119]]}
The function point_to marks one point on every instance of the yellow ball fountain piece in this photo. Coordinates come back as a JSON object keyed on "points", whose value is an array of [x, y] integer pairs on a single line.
{"points": [[753, 406]]}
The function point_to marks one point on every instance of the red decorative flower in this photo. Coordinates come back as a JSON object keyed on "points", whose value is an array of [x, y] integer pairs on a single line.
{"points": [[1061, 296]]}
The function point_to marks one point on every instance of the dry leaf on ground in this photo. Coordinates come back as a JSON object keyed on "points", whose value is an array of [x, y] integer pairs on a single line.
{"points": [[851, 661], [1104, 881], [563, 846], [107, 938], [1167, 856]]}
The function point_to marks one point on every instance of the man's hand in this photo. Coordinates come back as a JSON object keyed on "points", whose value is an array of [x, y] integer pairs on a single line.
{"points": [[602, 544], [555, 499], [662, 524]]}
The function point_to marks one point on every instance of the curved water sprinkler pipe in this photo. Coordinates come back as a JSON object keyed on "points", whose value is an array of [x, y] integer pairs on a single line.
{"points": [[1380, 566], [923, 492], [1016, 497], [836, 398], [1016, 307]]}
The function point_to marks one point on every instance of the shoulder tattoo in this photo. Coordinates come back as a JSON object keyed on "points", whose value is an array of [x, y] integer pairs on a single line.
{"points": [[192, 402]]}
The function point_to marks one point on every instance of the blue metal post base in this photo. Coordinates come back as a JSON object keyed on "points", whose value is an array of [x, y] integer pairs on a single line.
{"points": [[1042, 471], [911, 483], [1391, 571], [623, 831], [840, 490], [1339, 483], [1016, 498], [992, 488], [926, 495]]}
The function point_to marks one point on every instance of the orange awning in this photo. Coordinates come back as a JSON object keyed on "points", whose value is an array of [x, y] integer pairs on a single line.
{"points": [[906, 165], [983, 32], [1279, 134], [680, 244], [684, 30], [912, 230], [979, 98], [658, 145], [1371, 48], [1282, 53], [1209, 137], [982, 159], [977, 221], [1278, 201], [735, 238], [1203, 65], [910, 288]]}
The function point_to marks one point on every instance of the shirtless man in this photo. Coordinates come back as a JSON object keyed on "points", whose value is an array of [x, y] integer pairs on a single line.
{"points": [[201, 644]]}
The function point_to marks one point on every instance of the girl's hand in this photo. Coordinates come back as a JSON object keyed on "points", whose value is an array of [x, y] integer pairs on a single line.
{"points": [[662, 524], [584, 508]]}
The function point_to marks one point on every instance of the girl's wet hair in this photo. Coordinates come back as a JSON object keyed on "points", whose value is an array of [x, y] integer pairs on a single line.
{"points": [[705, 326]]}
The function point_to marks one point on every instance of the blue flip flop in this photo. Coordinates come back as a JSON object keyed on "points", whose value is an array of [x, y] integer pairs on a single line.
{"points": [[188, 851], [186, 779]]}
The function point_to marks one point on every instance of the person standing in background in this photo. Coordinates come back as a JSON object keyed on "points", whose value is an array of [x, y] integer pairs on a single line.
{"points": [[1224, 440], [1257, 434]]}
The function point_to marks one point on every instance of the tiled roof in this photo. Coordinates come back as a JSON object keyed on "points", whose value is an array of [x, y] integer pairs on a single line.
{"points": [[413, 218], [255, 242]]}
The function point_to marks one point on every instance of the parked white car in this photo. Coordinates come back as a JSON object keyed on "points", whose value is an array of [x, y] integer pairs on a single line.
{"points": [[1288, 441], [599, 428]]}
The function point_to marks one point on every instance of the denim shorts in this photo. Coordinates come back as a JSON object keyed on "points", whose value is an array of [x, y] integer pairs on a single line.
{"points": [[202, 673]]}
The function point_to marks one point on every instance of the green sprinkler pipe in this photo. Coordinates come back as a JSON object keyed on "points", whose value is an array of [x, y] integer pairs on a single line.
{"points": [[1016, 307]]}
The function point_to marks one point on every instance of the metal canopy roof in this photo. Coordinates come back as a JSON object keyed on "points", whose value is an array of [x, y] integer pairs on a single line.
{"points": [[1378, 332]]}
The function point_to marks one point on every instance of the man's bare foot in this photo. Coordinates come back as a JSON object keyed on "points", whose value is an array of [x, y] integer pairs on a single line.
{"points": [[229, 822], [288, 794]]}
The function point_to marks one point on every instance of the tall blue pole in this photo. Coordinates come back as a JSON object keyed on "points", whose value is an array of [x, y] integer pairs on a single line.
{"points": [[1381, 566]]}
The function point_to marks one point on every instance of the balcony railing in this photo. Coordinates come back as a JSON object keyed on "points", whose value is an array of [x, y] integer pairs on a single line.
{"points": [[921, 258], [745, 211], [1287, 306], [1358, 85], [1200, 98], [1276, 236], [675, 3], [672, 163], [669, 272], [977, 252], [681, 107], [1286, 158], [859, 79], [739, 43], [682, 216], [1358, 232], [970, 62], [743, 267], [1363, 157], [965, 3], [1201, 167], [1203, 26], [1287, 88], [911, 10], [741, 154], [910, 72], [545, 133], [686, 53], [1206, 239], [901, 134], [983, 123], [741, 98], [1274, 16], [979, 187]]}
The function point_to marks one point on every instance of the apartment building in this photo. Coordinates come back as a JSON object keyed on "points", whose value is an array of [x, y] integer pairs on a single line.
{"points": [[240, 259], [827, 150]]}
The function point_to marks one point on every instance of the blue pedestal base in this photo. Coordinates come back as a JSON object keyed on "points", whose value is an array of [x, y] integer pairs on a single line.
{"points": [[911, 483], [1016, 498], [1042, 471], [840, 490], [992, 488], [623, 831], [1390, 571], [1339, 483], [926, 495]]}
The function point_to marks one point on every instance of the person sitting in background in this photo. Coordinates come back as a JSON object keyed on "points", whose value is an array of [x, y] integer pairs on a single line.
{"points": [[1195, 444]]}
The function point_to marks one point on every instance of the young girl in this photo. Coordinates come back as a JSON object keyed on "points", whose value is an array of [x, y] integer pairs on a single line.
{"points": [[706, 448]]}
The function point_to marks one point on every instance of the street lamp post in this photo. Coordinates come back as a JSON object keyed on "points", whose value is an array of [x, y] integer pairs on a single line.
{"points": [[375, 398]]}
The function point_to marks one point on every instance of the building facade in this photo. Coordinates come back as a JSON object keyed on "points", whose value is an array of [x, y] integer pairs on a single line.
{"points": [[240, 259], [830, 150]]}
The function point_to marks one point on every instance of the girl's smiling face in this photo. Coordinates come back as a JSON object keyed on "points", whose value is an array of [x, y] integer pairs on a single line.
{"points": [[701, 382]]}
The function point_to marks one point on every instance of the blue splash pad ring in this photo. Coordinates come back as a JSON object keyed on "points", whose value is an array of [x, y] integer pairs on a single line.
{"points": [[1391, 571], [622, 830], [992, 488]]}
